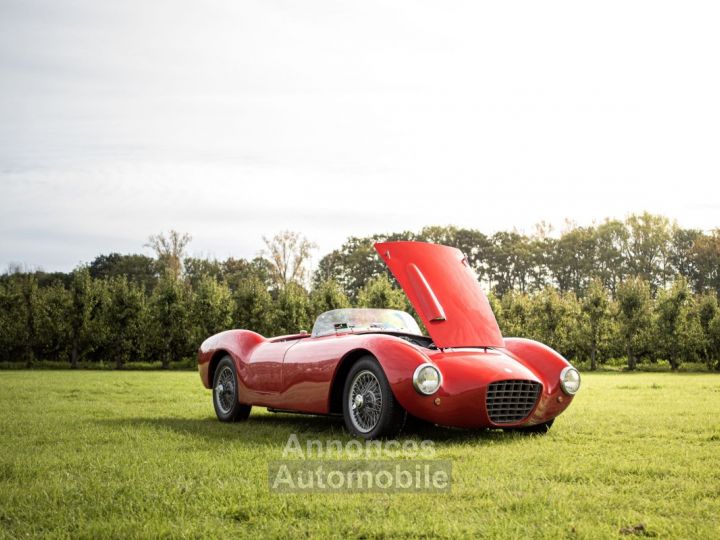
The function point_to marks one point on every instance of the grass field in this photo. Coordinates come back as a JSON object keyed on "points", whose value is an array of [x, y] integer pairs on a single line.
{"points": [[139, 454]]}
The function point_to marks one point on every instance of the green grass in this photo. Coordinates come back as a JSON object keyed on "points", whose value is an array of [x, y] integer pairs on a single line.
{"points": [[139, 454]]}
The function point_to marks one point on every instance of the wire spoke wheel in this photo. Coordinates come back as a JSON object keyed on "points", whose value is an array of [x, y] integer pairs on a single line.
{"points": [[365, 401], [225, 391]]}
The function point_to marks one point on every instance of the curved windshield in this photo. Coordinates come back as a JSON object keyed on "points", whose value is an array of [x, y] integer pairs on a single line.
{"points": [[364, 319]]}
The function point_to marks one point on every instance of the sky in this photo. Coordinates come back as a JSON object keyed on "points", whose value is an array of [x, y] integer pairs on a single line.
{"points": [[232, 120]]}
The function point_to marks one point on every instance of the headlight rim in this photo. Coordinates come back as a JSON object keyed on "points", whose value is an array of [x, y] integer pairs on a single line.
{"points": [[416, 383], [562, 380]]}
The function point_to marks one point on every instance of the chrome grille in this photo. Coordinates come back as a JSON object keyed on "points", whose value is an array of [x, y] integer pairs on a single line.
{"points": [[511, 401]]}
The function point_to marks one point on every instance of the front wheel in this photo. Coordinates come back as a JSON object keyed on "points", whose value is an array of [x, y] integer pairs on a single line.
{"points": [[225, 393], [370, 409]]}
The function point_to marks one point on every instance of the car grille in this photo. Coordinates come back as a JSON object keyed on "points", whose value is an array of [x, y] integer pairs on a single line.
{"points": [[511, 401]]}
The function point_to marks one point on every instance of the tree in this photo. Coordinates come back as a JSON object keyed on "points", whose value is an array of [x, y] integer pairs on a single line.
{"points": [[573, 259], [8, 323], [714, 338], [196, 269], [328, 295], [610, 265], [236, 271], [19, 303], [32, 317], [356, 263], [678, 331], [83, 314], [496, 307], [169, 310], [707, 307], [645, 248], [380, 293], [680, 254], [254, 309], [212, 308], [138, 269], [293, 310], [596, 311], [170, 250], [29, 291], [538, 272], [289, 255], [553, 320], [477, 248], [706, 259], [53, 325], [125, 316], [79, 315], [439, 235], [509, 261], [515, 314], [633, 300], [351, 266]]}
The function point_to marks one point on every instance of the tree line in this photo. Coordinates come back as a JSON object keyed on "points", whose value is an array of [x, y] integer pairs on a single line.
{"points": [[641, 289]]}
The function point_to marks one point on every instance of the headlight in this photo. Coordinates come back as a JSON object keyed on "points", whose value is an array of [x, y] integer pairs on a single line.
{"points": [[570, 380], [427, 379]]}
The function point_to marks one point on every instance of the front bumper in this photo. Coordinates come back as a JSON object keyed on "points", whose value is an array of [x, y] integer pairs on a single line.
{"points": [[461, 400]]}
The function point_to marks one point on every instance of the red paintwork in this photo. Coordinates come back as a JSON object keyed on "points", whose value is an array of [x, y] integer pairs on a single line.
{"points": [[444, 291], [298, 372]]}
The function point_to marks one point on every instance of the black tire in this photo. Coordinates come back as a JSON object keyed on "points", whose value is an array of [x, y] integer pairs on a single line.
{"points": [[225, 393], [376, 413], [537, 429]]}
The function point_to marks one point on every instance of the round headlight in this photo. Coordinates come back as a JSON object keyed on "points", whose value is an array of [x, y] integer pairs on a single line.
{"points": [[427, 379], [570, 380]]}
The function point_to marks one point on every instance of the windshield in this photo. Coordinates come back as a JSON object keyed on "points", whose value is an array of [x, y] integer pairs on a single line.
{"points": [[363, 319]]}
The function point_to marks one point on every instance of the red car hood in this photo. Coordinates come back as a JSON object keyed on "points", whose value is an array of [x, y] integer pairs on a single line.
{"points": [[445, 292]]}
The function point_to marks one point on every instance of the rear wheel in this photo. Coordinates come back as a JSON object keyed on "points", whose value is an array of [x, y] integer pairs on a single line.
{"points": [[369, 406], [225, 393]]}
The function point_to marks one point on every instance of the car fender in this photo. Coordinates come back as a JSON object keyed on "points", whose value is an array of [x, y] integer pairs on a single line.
{"points": [[239, 344], [546, 362], [397, 358]]}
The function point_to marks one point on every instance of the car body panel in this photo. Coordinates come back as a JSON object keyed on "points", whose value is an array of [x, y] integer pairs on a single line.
{"points": [[467, 373], [305, 373], [310, 365], [444, 291]]}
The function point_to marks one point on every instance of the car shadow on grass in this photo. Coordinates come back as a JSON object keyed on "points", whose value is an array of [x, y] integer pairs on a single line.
{"points": [[274, 429]]}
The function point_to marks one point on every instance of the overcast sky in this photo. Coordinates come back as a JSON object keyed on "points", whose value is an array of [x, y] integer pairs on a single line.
{"points": [[232, 119]]}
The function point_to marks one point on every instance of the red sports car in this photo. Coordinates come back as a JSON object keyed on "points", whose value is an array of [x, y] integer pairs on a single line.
{"points": [[375, 367]]}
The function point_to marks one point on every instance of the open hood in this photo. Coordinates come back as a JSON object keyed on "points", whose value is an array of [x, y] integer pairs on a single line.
{"points": [[445, 292]]}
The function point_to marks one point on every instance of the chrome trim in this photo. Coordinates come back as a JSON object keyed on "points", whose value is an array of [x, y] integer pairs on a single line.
{"points": [[562, 380], [416, 384]]}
